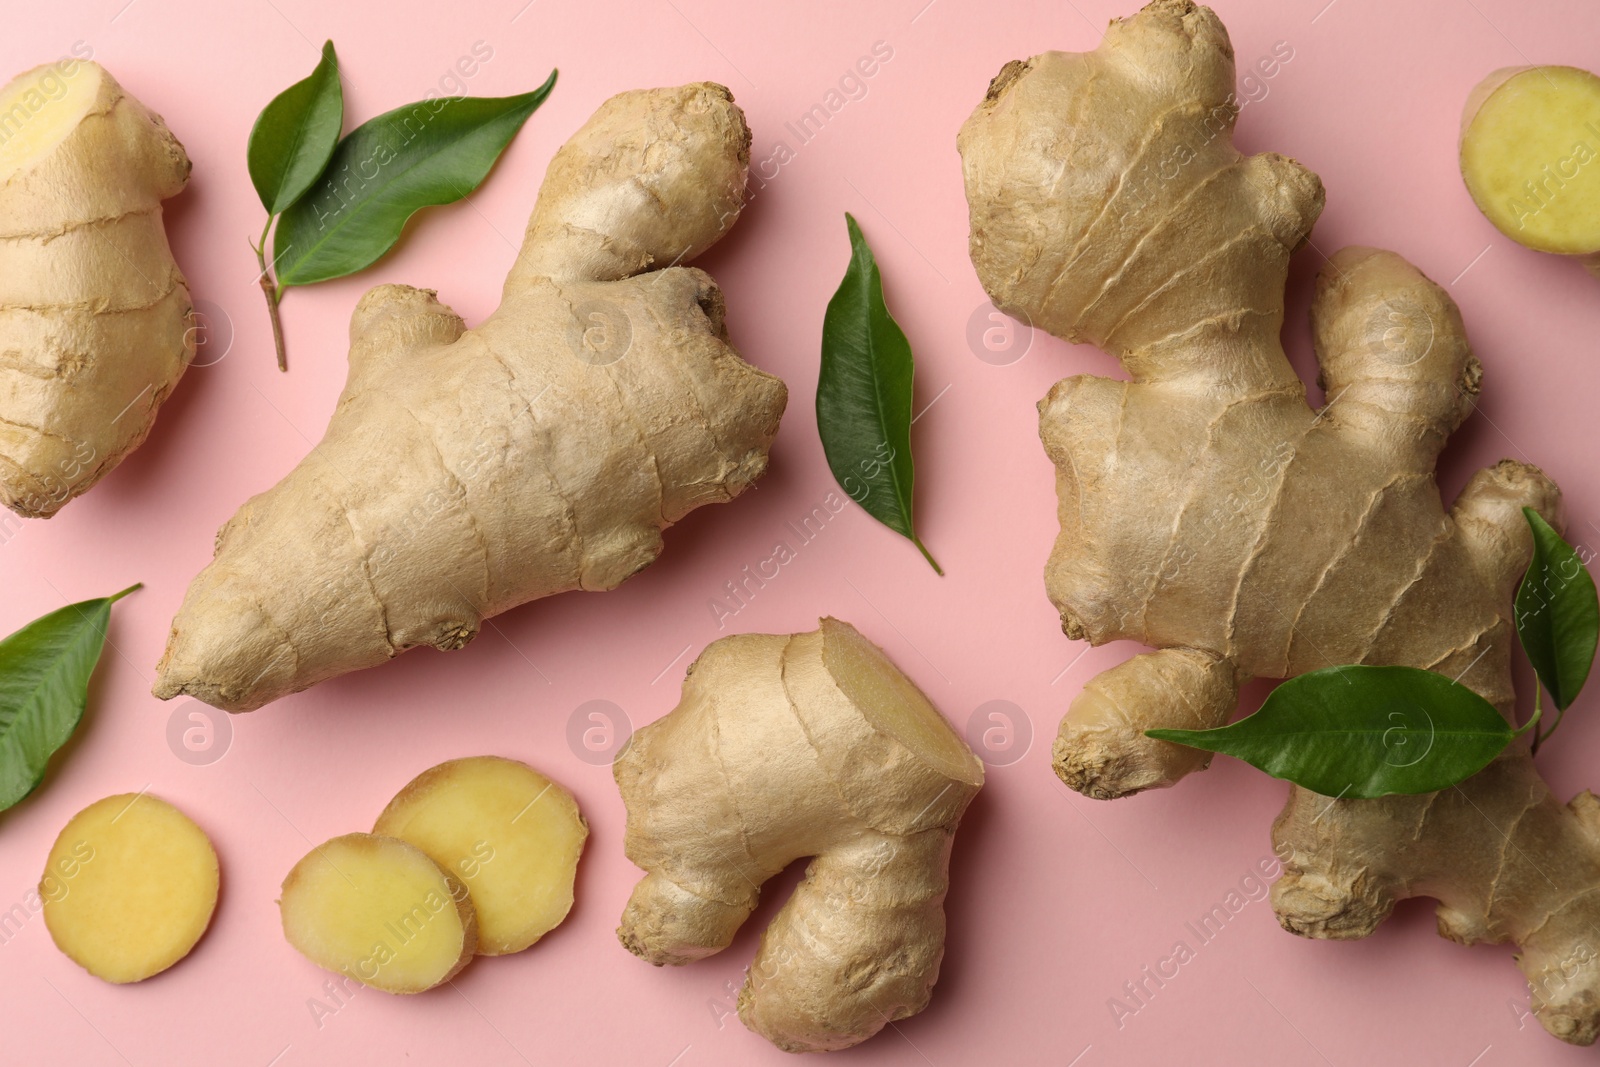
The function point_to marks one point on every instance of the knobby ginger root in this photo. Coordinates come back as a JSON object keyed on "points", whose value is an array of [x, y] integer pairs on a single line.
{"points": [[1206, 510], [511, 835], [466, 472], [380, 911], [784, 747], [1530, 155], [94, 316], [129, 887]]}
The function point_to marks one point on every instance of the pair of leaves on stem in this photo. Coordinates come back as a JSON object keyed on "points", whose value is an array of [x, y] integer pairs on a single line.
{"points": [[341, 204], [1370, 731], [44, 687], [864, 396]]}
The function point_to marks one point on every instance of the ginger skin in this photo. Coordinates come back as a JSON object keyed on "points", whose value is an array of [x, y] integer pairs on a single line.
{"points": [[95, 318], [466, 472], [784, 747], [1207, 511]]}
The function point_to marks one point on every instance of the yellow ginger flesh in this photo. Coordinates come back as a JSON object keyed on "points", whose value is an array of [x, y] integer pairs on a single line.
{"points": [[1530, 155], [380, 911], [511, 835], [129, 887]]}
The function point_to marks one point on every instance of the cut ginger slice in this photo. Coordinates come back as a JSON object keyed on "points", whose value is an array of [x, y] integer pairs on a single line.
{"points": [[510, 834], [1530, 155], [129, 887], [380, 911]]}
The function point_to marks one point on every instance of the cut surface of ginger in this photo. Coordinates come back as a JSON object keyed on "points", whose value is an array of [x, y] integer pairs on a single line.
{"points": [[379, 910], [893, 705], [129, 887], [511, 835], [38, 108], [1530, 155]]}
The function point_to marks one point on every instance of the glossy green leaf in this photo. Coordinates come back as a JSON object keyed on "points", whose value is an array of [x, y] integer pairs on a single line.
{"points": [[427, 153], [295, 135], [44, 686], [864, 395], [1363, 731], [1558, 616]]}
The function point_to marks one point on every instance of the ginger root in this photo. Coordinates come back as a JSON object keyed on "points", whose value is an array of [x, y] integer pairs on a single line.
{"points": [[1207, 511], [380, 911], [95, 325], [466, 472], [129, 887], [1530, 155], [790, 746], [511, 835]]}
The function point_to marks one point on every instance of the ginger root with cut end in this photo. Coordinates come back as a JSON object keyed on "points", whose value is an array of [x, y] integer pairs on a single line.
{"points": [[129, 887], [1530, 155], [95, 318], [511, 835], [466, 472], [784, 747], [1206, 510], [380, 911]]}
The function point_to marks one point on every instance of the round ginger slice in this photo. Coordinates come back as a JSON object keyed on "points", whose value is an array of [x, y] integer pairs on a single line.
{"points": [[129, 887], [510, 834], [380, 911], [1530, 155]]}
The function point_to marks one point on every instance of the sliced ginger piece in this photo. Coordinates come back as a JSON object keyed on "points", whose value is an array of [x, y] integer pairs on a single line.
{"points": [[1530, 155], [129, 887], [379, 910], [509, 833]]}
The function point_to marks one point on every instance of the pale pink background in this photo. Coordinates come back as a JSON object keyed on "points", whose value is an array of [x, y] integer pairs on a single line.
{"points": [[1056, 900]]}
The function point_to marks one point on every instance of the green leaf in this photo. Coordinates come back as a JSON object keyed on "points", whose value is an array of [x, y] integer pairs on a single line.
{"points": [[1558, 616], [427, 153], [864, 395], [1362, 731], [44, 685], [295, 135]]}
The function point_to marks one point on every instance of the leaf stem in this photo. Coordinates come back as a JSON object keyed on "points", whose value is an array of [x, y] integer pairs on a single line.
{"points": [[118, 596], [1538, 713], [1541, 738], [274, 293], [929, 557]]}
